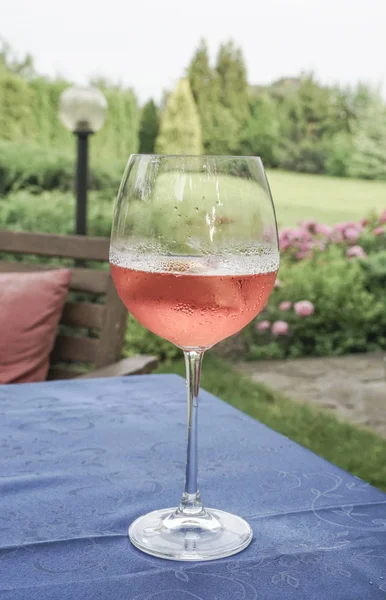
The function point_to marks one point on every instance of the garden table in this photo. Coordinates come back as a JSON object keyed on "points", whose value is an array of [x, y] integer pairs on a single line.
{"points": [[81, 459]]}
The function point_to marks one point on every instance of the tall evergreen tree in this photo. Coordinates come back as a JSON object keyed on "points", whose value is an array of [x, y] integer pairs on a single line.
{"points": [[232, 74], [148, 128], [180, 127], [202, 77], [219, 127]]}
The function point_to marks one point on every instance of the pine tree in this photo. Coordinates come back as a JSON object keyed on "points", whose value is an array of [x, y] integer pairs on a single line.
{"points": [[180, 127], [202, 76], [148, 129], [233, 81], [219, 128]]}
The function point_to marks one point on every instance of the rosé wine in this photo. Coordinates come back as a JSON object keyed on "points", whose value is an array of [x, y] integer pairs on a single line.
{"points": [[191, 308]]}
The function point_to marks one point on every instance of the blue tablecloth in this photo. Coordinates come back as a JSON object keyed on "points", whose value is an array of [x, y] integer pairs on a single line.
{"points": [[81, 459]]}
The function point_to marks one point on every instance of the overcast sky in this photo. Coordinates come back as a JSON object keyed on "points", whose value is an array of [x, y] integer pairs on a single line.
{"points": [[147, 44]]}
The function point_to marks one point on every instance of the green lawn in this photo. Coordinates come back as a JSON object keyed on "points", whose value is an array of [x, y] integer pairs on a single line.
{"points": [[356, 450], [297, 196], [326, 199]]}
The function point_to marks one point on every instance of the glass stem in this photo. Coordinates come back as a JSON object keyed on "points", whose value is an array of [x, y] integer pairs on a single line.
{"points": [[191, 502]]}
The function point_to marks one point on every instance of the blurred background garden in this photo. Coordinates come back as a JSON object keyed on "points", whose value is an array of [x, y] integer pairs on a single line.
{"points": [[324, 147], [325, 150]]}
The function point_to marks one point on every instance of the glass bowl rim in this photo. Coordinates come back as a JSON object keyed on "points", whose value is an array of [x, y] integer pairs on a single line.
{"points": [[203, 156]]}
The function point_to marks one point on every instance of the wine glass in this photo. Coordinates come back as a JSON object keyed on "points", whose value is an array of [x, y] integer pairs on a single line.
{"points": [[194, 257]]}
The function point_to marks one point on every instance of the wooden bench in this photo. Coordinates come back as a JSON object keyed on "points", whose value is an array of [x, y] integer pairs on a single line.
{"points": [[94, 319]]}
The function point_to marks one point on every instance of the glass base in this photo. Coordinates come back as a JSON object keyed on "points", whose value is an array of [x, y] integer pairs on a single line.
{"points": [[206, 535]]}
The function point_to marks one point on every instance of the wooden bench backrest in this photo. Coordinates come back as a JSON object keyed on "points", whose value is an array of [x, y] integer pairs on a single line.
{"points": [[108, 318]]}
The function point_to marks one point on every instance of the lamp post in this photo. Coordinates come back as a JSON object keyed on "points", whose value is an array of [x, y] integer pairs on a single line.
{"points": [[82, 110]]}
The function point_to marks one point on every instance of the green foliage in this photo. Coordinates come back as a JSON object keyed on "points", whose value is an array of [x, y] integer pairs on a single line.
{"points": [[347, 314], [375, 271], [220, 124], [180, 128], [54, 212], [29, 112], [16, 115], [148, 129], [118, 137], [307, 156], [202, 79], [309, 115], [368, 159], [260, 135], [222, 130], [337, 131], [41, 168], [139, 340], [295, 124], [311, 111], [9, 61], [356, 450], [233, 83], [339, 150], [49, 131], [349, 298], [31, 166]]}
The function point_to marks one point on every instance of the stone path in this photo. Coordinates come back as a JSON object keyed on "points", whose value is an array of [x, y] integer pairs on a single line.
{"points": [[353, 386]]}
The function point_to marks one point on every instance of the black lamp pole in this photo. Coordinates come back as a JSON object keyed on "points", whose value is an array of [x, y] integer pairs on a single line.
{"points": [[81, 182]]}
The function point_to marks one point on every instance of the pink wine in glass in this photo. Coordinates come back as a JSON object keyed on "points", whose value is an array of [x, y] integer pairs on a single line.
{"points": [[190, 304]]}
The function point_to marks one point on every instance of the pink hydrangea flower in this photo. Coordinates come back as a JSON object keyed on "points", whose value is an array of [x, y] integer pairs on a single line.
{"points": [[320, 244], [378, 231], [284, 244], [336, 236], [285, 305], [304, 308], [263, 326], [285, 231], [321, 229], [341, 226], [280, 328], [356, 252], [351, 234], [298, 234], [310, 224], [364, 222]]}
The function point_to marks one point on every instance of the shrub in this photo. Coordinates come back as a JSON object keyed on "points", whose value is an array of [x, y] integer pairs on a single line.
{"points": [[325, 303], [307, 156], [54, 212], [341, 270], [39, 168], [339, 151], [16, 100], [346, 314], [139, 340], [29, 113]]}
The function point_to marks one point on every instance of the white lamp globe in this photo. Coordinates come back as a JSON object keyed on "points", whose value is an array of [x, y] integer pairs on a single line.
{"points": [[82, 109]]}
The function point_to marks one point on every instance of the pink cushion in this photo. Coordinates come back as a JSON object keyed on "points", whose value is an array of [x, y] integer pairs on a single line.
{"points": [[31, 305]]}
